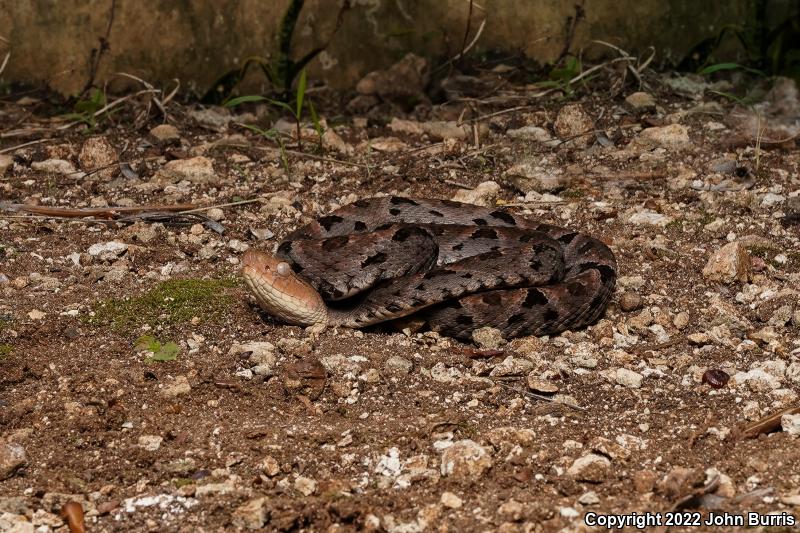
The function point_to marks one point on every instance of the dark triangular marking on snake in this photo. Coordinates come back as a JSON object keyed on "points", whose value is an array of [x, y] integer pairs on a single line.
{"points": [[399, 200], [285, 248], [607, 274], [406, 232], [505, 217], [567, 238], [327, 222], [465, 320], [576, 288], [491, 298], [585, 247], [484, 233], [436, 273], [517, 318], [377, 258], [535, 297]]}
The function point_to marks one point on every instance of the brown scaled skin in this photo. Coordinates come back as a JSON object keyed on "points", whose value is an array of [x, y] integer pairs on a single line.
{"points": [[280, 292]]}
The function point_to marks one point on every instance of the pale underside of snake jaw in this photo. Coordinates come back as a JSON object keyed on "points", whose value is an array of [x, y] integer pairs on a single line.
{"points": [[458, 266]]}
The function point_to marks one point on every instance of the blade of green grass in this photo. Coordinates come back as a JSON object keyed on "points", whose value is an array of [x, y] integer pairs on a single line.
{"points": [[233, 102], [301, 92], [728, 66]]}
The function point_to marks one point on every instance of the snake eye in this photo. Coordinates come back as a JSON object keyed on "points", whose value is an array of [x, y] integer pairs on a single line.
{"points": [[283, 269]]}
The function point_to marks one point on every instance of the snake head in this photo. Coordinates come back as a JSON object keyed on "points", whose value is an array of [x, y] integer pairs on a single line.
{"points": [[281, 292]]}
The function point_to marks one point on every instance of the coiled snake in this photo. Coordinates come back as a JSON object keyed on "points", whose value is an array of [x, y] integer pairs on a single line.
{"points": [[459, 266]]}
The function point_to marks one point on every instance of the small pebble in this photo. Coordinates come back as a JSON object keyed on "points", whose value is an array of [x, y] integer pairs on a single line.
{"points": [[541, 385], [681, 320], [215, 214], [630, 301], [451, 500], [716, 378], [487, 337], [262, 234], [629, 378]]}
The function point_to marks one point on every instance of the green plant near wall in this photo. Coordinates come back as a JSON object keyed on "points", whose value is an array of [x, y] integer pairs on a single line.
{"points": [[282, 70], [770, 47], [295, 110], [86, 109]]}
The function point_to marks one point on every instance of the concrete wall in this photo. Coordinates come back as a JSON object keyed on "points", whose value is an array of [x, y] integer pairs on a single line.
{"points": [[198, 40]]}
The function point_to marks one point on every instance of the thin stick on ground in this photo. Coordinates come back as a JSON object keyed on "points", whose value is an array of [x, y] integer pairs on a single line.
{"points": [[323, 159], [97, 53], [468, 47], [539, 396], [580, 13], [498, 113], [220, 206], [104, 212], [23, 145], [636, 73], [105, 108], [5, 62]]}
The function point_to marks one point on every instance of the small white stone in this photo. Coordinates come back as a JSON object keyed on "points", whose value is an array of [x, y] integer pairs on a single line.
{"points": [[591, 467], [237, 245], [165, 132], [484, 194], [245, 374], [640, 100], [512, 366], [306, 486], [5, 162], [36, 315], [179, 386], [398, 365], [568, 512], [216, 213], [451, 500], [57, 166], [107, 251], [771, 200], [672, 136], [652, 218], [791, 424], [728, 264], [465, 459], [488, 338], [150, 442], [757, 380], [629, 378], [262, 234]]}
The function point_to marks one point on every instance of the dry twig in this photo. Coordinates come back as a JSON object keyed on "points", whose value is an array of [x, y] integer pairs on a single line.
{"points": [[97, 53]]}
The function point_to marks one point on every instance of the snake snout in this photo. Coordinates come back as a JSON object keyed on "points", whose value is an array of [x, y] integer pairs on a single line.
{"points": [[280, 292]]}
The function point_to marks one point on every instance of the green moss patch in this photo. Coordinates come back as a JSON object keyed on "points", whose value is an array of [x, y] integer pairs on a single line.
{"points": [[169, 303], [5, 350]]}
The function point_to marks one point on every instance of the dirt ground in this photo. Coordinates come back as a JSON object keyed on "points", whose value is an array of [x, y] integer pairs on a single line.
{"points": [[139, 379]]}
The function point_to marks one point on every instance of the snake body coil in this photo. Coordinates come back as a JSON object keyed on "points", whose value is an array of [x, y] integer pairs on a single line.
{"points": [[459, 266]]}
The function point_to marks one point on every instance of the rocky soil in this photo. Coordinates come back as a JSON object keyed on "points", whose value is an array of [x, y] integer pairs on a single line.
{"points": [[139, 379]]}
